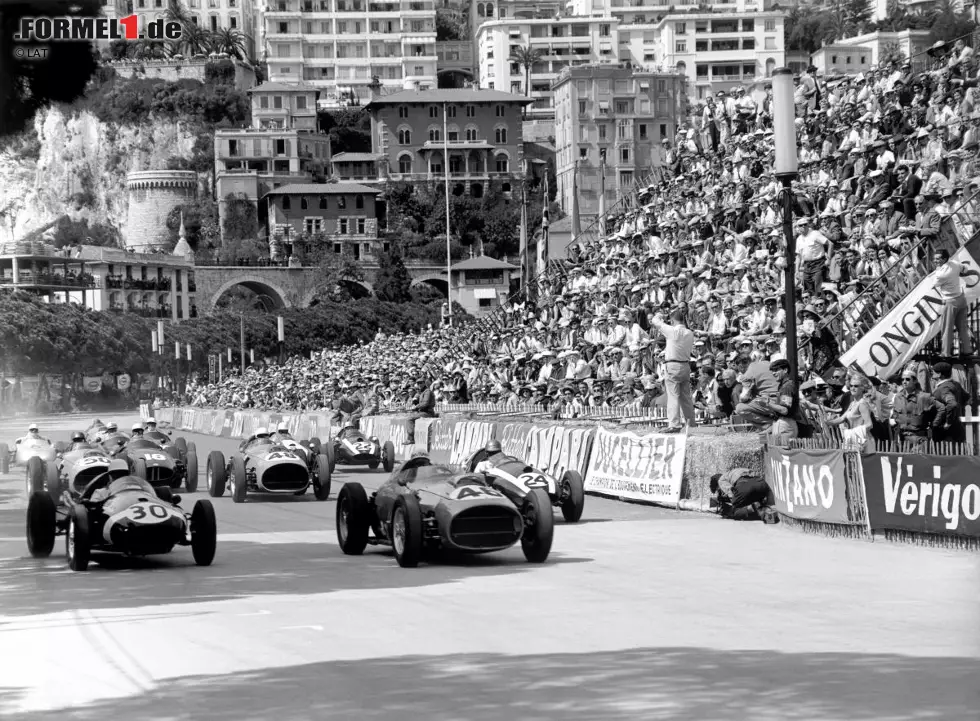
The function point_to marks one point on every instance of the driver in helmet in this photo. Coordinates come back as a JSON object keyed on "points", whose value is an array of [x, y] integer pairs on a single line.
{"points": [[110, 428], [492, 453], [33, 434], [77, 441], [137, 431], [282, 432], [261, 434]]}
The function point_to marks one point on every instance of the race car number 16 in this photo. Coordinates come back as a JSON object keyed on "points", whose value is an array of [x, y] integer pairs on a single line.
{"points": [[156, 456]]}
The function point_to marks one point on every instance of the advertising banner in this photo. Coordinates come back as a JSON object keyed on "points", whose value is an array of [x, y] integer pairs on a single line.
{"points": [[927, 494], [123, 381], [646, 467], [808, 484], [441, 440], [92, 384], [514, 438], [913, 322]]}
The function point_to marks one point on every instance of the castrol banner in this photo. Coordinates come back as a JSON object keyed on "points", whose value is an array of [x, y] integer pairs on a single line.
{"points": [[808, 484], [642, 468], [925, 494]]}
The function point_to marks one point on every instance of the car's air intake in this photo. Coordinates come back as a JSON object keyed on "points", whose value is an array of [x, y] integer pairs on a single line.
{"points": [[484, 527], [285, 477]]}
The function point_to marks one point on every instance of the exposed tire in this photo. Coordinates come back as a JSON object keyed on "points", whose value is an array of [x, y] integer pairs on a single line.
{"points": [[139, 468], [353, 519], [239, 481], [406, 531], [373, 465], [78, 542], [191, 447], [165, 493], [35, 476], [329, 452], [41, 513], [181, 444], [572, 507], [321, 478], [216, 474], [52, 480], [4, 458], [539, 526], [388, 456], [204, 533], [191, 481]]}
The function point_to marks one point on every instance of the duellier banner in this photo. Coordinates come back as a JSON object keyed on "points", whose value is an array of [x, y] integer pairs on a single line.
{"points": [[807, 484], [643, 468], [927, 494], [889, 345]]}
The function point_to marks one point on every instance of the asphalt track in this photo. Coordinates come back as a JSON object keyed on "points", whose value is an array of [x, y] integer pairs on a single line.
{"points": [[639, 614]]}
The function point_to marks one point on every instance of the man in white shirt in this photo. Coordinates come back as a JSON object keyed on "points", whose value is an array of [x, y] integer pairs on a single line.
{"points": [[677, 354], [957, 310], [811, 255]]}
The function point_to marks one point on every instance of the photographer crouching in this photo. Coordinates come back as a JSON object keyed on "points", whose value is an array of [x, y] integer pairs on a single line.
{"points": [[743, 496]]}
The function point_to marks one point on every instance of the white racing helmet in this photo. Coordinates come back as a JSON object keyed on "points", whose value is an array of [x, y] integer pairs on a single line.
{"points": [[262, 432], [283, 428]]}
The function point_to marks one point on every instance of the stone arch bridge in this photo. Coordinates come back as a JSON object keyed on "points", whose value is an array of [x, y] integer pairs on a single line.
{"points": [[283, 287]]}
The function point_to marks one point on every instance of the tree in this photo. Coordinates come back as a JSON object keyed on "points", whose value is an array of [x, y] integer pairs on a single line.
{"points": [[349, 130], [231, 42], [526, 57], [393, 282], [891, 53], [858, 14], [28, 84], [948, 23]]}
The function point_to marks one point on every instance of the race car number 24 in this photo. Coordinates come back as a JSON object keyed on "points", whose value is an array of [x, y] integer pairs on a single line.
{"points": [[533, 480]]}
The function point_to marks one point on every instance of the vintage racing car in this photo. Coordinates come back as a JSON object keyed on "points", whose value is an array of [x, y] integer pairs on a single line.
{"points": [[150, 461], [350, 447], [514, 478], [38, 455], [423, 507], [183, 452], [264, 466], [79, 466], [119, 513]]}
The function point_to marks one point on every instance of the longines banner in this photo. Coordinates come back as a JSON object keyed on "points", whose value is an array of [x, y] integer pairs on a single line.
{"points": [[928, 494], [644, 468], [893, 340], [808, 484]]}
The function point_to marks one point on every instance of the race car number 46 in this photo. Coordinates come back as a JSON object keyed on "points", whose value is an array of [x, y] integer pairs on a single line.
{"points": [[148, 513]]}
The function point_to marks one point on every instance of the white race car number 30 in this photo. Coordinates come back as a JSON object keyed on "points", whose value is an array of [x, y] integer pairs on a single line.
{"points": [[148, 513], [533, 480]]}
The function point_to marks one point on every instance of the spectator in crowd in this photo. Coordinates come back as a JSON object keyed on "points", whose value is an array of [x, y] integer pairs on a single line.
{"points": [[680, 344], [913, 412], [858, 417], [956, 310], [951, 399]]}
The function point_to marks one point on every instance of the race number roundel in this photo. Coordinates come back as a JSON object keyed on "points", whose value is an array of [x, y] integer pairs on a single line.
{"points": [[156, 456], [95, 461], [533, 480], [148, 513]]}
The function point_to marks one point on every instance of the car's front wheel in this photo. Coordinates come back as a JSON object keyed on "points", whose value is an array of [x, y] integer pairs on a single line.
{"points": [[573, 488], [41, 518], [191, 482], [353, 519], [35, 476], [216, 474], [204, 533], [388, 456], [406, 531], [321, 477], [78, 542], [539, 526], [239, 480], [52, 480]]}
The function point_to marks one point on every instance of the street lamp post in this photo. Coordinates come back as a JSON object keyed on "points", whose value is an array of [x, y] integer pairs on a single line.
{"points": [[280, 335], [786, 169]]}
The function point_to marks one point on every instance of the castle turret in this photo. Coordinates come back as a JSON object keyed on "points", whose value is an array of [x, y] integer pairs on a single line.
{"points": [[153, 194]]}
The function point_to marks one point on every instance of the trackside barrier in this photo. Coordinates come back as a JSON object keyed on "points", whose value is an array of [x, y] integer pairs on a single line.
{"points": [[145, 412], [623, 464]]}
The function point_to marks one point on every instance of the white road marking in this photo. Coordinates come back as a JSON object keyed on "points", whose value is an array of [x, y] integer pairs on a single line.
{"points": [[290, 628]]}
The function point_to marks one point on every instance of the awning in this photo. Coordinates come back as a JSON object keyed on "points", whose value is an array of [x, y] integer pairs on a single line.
{"points": [[514, 33], [419, 40], [644, 85], [605, 45], [603, 105], [485, 293]]}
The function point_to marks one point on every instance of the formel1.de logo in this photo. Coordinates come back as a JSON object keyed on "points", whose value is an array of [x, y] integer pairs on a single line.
{"points": [[87, 29]]}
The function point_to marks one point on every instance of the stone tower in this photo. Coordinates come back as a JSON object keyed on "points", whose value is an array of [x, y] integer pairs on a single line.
{"points": [[152, 195]]}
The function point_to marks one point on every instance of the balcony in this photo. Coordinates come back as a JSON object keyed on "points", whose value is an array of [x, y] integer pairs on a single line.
{"points": [[121, 283], [53, 281]]}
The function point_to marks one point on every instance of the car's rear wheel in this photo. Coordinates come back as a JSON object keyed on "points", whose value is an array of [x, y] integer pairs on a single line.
{"points": [[406, 531], [331, 454], [191, 481], [165, 493], [239, 481], [353, 519], [35, 476], [78, 542], [574, 503], [4, 458], [388, 456], [139, 468], [204, 533], [321, 477], [52, 480], [216, 474], [539, 526], [41, 517], [181, 444]]}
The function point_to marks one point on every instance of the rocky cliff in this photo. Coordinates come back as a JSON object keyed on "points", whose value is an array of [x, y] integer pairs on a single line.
{"points": [[74, 164]]}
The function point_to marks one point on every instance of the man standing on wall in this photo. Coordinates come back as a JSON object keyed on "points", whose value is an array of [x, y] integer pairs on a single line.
{"points": [[957, 310], [680, 344]]}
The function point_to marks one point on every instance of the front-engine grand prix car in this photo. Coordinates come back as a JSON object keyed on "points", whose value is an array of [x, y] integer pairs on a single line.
{"points": [[152, 462], [80, 466], [423, 507], [184, 454], [38, 455], [350, 447], [514, 478], [264, 466], [122, 515]]}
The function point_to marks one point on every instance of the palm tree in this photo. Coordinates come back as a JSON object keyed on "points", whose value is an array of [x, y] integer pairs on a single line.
{"points": [[176, 12], [526, 57], [230, 42], [194, 40]]}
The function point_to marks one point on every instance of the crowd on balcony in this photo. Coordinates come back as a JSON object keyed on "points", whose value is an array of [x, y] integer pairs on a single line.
{"points": [[49, 277], [679, 299], [121, 281]]}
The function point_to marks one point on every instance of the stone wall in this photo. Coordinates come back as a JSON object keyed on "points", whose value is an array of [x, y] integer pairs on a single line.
{"points": [[173, 70], [153, 194]]}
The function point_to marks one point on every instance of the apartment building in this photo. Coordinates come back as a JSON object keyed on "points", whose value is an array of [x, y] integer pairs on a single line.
{"points": [[618, 114], [213, 15], [283, 146], [341, 46], [561, 42], [483, 134]]}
